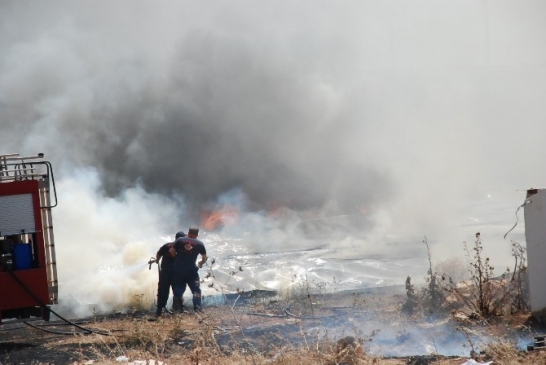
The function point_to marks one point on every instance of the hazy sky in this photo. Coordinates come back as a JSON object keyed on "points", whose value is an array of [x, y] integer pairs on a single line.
{"points": [[402, 113]]}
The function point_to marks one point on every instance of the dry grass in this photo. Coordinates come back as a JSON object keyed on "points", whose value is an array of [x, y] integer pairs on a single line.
{"points": [[250, 333]]}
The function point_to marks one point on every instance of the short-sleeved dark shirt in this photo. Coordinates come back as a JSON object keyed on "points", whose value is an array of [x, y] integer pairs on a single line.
{"points": [[187, 250], [167, 261]]}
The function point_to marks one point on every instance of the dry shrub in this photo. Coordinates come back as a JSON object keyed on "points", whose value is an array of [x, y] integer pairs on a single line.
{"points": [[502, 351], [484, 295], [147, 337], [463, 296], [349, 350]]}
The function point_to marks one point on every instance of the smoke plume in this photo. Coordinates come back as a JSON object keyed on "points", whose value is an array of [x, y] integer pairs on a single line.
{"points": [[363, 124]]}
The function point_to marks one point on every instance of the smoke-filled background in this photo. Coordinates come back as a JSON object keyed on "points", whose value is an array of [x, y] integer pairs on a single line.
{"points": [[303, 137]]}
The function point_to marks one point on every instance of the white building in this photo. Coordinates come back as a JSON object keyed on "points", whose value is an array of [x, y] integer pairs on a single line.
{"points": [[535, 234]]}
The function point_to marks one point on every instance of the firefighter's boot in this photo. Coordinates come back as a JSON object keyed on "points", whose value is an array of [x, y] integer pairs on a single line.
{"points": [[197, 302], [178, 305]]}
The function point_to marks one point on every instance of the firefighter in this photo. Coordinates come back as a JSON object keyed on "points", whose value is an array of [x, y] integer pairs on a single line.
{"points": [[186, 250], [165, 273]]}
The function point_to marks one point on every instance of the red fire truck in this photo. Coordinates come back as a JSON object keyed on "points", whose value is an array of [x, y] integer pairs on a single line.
{"points": [[28, 274]]}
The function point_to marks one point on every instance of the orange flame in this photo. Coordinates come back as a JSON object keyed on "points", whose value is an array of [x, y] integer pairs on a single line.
{"points": [[227, 215]]}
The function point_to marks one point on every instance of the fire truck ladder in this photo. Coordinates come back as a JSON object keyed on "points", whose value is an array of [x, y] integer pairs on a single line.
{"points": [[51, 263]]}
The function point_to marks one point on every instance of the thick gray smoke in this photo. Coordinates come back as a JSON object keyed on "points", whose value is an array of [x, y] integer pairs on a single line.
{"points": [[389, 120], [184, 107]]}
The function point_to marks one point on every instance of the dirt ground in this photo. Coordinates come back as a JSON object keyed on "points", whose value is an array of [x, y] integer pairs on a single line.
{"points": [[363, 328]]}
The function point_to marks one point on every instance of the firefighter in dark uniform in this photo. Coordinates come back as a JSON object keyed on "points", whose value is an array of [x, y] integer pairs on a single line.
{"points": [[186, 250], [165, 273]]}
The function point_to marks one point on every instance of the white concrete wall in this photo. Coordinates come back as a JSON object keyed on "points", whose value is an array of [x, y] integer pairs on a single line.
{"points": [[535, 234]]}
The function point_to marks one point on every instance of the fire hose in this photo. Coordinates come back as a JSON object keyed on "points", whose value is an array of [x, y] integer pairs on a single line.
{"points": [[47, 308], [153, 260]]}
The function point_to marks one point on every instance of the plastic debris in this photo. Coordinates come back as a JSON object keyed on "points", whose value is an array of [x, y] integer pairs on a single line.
{"points": [[122, 358]]}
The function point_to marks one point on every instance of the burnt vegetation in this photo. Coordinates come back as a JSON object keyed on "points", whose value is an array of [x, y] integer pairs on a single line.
{"points": [[480, 294], [477, 301], [310, 322]]}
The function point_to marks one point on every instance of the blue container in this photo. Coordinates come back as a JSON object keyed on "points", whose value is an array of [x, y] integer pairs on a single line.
{"points": [[22, 256]]}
